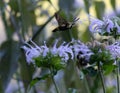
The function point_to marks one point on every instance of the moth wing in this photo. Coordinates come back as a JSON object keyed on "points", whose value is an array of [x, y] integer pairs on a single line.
{"points": [[61, 21], [56, 29]]}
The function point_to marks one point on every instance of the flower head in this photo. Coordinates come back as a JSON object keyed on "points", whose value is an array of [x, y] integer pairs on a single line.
{"points": [[114, 49], [82, 51], [95, 25], [63, 51], [33, 51], [107, 26]]}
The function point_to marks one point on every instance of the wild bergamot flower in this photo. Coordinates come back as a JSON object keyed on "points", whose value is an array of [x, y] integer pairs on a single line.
{"points": [[107, 26], [81, 51], [54, 57], [31, 51], [114, 49]]}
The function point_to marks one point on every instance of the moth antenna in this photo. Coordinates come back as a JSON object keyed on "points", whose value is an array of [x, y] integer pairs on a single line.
{"points": [[76, 19]]}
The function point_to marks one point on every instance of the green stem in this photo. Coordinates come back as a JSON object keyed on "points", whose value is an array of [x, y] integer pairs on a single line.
{"points": [[117, 70], [87, 86], [70, 34], [52, 76], [101, 77], [19, 89], [22, 18]]}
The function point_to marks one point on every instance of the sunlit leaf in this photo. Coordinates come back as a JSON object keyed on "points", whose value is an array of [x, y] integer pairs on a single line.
{"points": [[14, 5], [108, 69], [113, 3], [27, 17], [86, 36], [87, 4], [100, 8]]}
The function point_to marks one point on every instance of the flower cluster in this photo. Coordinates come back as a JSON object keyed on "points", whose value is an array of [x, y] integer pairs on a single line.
{"points": [[74, 49], [42, 55], [114, 49], [82, 52], [63, 51], [107, 26]]}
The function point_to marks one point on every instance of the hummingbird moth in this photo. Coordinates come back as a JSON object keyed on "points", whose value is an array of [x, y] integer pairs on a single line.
{"points": [[63, 24]]}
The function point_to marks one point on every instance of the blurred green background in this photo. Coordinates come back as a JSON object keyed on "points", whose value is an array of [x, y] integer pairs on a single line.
{"points": [[21, 20]]}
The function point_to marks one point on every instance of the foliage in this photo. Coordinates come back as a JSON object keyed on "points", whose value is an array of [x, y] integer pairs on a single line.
{"points": [[20, 19]]}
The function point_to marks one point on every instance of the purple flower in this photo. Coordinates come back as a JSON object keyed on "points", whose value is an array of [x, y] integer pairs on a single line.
{"points": [[63, 51], [108, 24], [118, 27], [114, 49], [32, 51], [95, 25], [45, 49], [105, 26], [81, 50]]}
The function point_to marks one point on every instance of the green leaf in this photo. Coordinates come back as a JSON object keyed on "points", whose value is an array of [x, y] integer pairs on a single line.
{"points": [[87, 5], [103, 56], [27, 17], [14, 5], [9, 61], [56, 63], [100, 8], [43, 61], [108, 68], [8, 28], [49, 61], [37, 79], [86, 36], [113, 3]]}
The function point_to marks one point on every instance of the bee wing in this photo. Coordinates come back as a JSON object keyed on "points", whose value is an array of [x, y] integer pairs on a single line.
{"points": [[60, 20]]}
